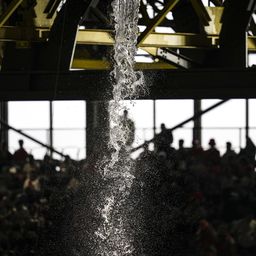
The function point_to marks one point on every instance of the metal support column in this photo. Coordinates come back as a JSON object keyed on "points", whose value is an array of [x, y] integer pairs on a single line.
{"points": [[97, 132], [154, 117], [51, 128], [197, 130], [247, 118], [4, 116]]}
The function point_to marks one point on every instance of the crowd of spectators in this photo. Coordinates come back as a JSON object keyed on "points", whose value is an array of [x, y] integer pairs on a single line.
{"points": [[207, 196], [190, 201], [28, 191]]}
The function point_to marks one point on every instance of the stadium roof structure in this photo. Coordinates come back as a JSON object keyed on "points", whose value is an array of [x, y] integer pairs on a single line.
{"points": [[55, 49]]}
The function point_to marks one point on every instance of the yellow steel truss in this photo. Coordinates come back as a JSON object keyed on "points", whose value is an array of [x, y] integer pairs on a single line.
{"points": [[148, 40]]}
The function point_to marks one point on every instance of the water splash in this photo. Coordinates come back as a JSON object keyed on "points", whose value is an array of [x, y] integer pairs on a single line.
{"points": [[128, 83], [114, 234]]}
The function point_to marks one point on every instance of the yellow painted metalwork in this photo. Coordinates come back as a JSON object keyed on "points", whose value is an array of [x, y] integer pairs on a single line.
{"points": [[156, 21], [90, 64], [251, 42], [31, 34], [154, 66], [104, 37], [105, 65], [95, 37], [9, 11], [177, 40], [215, 24], [41, 19]]}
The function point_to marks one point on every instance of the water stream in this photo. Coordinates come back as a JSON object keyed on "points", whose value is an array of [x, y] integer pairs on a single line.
{"points": [[114, 235]]}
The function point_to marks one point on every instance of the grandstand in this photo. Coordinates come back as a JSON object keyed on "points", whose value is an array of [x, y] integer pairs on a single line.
{"points": [[192, 135]]}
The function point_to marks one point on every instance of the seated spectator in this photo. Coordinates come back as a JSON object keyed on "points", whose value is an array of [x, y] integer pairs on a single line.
{"points": [[21, 154], [244, 231], [226, 244], [181, 156], [207, 238], [32, 182], [30, 165], [195, 154], [146, 153]]}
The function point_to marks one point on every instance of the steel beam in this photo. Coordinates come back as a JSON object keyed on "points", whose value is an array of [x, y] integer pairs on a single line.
{"points": [[247, 122], [105, 37], [9, 11], [233, 36], [93, 4], [156, 21], [96, 85], [23, 34], [49, 5], [105, 65], [197, 129], [61, 42], [174, 58], [52, 10], [201, 12], [100, 16], [177, 40], [4, 117], [217, 2]]}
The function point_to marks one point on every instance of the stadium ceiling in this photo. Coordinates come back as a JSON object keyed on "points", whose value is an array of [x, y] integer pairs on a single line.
{"points": [[56, 49]]}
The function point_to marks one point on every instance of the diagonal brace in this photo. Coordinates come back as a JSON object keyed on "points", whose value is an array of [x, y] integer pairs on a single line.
{"points": [[9, 11], [201, 12], [156, 21], [217, 2], [195, 116]]}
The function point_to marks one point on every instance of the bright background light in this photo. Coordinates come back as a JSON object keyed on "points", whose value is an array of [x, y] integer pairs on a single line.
{"points": [[225, 123]]}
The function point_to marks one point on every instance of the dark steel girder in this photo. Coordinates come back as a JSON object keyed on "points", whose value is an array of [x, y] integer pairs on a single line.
{"points": [[96, 85]]}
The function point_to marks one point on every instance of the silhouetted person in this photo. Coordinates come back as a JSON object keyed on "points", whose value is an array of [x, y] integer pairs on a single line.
{"points": [[212, 157], [195, 154], [229, 154], [249, 151], [163, 140], [146, 154], [129, 127], [21, 154], [181, 156]]}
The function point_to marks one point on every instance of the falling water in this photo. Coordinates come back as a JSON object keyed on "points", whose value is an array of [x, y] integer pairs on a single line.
{"points": [[114, 234]]}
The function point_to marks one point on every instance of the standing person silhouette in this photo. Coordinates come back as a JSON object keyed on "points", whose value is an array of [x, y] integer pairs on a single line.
{"points": [[129, 127], [163, 140], [20, 155]]}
